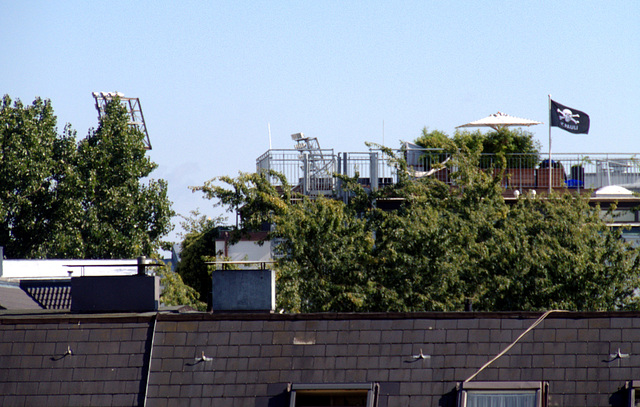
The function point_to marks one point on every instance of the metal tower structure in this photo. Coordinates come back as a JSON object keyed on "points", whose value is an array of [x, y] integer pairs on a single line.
{"points": [[136, 118], [317, 169]]}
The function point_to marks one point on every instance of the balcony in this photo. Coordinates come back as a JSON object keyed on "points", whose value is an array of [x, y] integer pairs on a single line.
{"points": [[311, 172]]}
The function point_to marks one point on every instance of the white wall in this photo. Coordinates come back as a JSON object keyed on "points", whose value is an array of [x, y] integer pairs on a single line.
{"points": [[31, 269], [245, 251]]}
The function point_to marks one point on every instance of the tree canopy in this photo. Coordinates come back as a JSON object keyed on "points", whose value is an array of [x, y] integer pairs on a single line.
{"points": [[198, 246], [176, 292], [504, 140], [507, 146], [66, 199], [122, 216], [443, 247]]}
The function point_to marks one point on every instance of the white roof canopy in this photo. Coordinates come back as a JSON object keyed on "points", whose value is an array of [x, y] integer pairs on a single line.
{"points": [[498, 120]]}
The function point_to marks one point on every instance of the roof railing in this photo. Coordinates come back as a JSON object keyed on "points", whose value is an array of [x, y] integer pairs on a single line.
{"points": [[522, 171]]}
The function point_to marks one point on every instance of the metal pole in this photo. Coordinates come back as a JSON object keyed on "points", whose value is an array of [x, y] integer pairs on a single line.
{"points": [[305, 177], [549, 167], [373, 170], [345, 171], [339, 181]]}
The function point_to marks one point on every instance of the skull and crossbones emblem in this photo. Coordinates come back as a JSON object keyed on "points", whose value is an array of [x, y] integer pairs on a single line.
{"points": [[568, 116]]}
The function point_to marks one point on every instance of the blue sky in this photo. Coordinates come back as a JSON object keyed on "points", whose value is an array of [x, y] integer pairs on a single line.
{"points": [[212, 75]]}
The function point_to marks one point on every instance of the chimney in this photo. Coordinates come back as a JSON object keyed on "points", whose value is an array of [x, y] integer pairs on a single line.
{"points": [[136, 293], [244, 290]]}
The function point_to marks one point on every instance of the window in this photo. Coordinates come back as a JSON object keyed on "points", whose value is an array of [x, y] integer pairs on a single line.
{"points": [[334, 395], [501, 394], [634, 393]]}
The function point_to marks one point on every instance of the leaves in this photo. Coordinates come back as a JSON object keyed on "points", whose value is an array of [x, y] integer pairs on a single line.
{"points": [[176, 292], [442, 247], [122, 217], [34, 166], [63, 199], [198, 245]]}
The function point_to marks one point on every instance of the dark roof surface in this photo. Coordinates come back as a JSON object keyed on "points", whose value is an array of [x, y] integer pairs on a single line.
{"points": [[50, 294], [251, 359], [13, 297], [106, 366]]}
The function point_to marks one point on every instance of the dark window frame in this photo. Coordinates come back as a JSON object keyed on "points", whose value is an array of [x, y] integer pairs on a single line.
{"points": [[371, 389], [633, 387]]}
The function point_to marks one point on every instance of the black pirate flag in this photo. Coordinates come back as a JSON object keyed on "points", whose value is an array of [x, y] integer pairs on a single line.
{"points": [[569, 119]]}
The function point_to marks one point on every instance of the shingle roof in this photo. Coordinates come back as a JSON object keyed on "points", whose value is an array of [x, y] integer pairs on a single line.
{"points": [[106, 366], [50, 294], [251, 359], [254, 358]]}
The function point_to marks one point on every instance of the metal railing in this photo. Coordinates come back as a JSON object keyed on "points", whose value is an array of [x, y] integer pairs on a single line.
{"points": [[308, 172], [312, 174]]}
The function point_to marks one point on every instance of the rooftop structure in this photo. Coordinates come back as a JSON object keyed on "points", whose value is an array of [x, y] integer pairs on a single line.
{"points": [[523, 172], [310, 169], [609, 178], [115, 347], [19, 269], [47, 284], [279, 360]]}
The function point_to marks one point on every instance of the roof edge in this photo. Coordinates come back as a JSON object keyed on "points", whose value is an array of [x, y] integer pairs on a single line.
{"points": [[58, 316]]}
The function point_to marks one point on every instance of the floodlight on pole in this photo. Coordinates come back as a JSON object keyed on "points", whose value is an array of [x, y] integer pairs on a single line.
{"points": [[317, 168], [305, 143], [134, 110]]}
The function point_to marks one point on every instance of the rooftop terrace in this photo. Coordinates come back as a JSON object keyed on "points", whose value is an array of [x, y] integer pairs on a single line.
{"points": [[310, 171]]}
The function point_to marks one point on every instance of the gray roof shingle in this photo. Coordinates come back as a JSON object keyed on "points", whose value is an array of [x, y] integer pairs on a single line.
{"points": [[49, 294], [12, 297], [251, 359], [252, 355], [71, 360]]}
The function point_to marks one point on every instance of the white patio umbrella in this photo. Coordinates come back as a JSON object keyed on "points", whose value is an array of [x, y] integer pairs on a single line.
{"points": [[498, 120]]}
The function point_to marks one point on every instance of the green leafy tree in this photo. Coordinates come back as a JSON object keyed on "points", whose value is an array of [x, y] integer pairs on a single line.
{"points": [[331, 247], [439, 147], [176, 292], [37, 171], [443, 247], [504, 143], [436, 139], [63, 199], [198, 246], [122, 216], [556, 253]]}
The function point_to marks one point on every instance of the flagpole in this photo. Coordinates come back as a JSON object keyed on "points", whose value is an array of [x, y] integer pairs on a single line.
{"points": [[549, 145]]}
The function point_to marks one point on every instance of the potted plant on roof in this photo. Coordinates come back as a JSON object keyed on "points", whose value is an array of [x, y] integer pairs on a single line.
{"points": [[513, 151]]}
